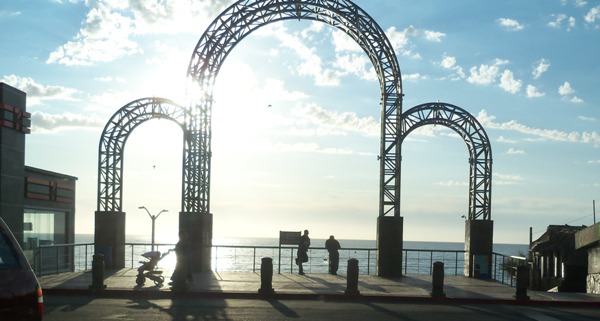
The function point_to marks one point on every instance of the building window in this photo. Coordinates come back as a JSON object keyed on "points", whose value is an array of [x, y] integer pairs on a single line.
{"points": [[43, 228]]}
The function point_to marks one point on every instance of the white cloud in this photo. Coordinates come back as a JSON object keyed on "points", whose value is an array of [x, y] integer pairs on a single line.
{"points": [[400, 39], [449, 62], [356, 64], [576, 100], [36, 92], [532, 92], [510, 24], [565, 89], [433, 35], [343, 42], [104, 37], [557, 23], [540, 69], [44, 122], [111, 27], [488, 121], [584, 118], [346, 121], [505, 179], [415, 76], [501, 139], [311, 64], [110, 79], [484, 75], [508, 82], [512, 151], [452, 183], [592, 15]]}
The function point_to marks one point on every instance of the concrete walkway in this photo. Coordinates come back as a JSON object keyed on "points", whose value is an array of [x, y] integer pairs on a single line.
{"points": [[121, 283]]}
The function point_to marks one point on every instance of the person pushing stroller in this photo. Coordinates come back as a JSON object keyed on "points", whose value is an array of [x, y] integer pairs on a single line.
{"points": [[182, 275]]}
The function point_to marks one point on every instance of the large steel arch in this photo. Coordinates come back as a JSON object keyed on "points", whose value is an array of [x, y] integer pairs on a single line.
{"points": [[480, 151], [113, 139], [245, 16]]}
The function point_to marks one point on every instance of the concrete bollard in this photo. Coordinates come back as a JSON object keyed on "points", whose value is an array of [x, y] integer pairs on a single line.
{"points": [[522, 282], [437, 280], [98, 272], [352, 278], [266, 277]]}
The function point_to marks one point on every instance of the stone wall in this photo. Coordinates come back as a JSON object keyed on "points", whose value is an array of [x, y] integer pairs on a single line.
{"points": [[593, 283], [593, 278]]}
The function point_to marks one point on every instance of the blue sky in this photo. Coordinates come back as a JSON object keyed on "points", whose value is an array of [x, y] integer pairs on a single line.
{"points": [[296, 113]]}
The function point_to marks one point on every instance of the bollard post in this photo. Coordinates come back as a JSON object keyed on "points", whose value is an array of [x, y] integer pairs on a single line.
{"points": [[98, 272], [352, 278], [266, 277], [437, 280], [522, 282]]}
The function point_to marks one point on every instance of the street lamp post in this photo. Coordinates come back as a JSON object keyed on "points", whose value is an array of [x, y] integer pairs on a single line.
{"points": [[153, 218]]}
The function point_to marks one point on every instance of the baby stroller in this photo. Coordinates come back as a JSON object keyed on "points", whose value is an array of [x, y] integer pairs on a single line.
{"points": [[149, 270]]}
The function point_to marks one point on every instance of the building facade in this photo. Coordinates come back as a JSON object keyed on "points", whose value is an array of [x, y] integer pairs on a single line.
{"points": [[37, 205]]}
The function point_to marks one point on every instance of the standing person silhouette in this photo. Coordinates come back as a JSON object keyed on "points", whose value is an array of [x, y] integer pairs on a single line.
{"points": [[332, 245], [303, 246], [182, 274]]}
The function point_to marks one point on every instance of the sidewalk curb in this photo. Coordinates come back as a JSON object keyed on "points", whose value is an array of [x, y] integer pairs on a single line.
{"points": [[156, 295]]}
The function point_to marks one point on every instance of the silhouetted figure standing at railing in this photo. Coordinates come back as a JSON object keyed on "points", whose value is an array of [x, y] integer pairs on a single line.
{"points": [[182, 274], [303, 251], [332, 245]]}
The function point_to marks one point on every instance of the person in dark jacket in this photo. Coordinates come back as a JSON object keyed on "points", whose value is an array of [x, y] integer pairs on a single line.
{"points": [[303, 246], [332, 245]]}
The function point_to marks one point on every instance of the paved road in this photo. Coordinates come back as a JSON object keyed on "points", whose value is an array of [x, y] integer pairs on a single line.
{"points": [[66, 308]]}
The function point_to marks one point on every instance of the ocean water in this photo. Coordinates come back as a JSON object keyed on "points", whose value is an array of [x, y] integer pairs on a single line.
{"points": [[500, 248]]}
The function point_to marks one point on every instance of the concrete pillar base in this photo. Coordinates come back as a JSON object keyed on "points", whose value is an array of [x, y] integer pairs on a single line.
{"points": [[199, 227], [479, 246], [109, 238], [389, 245]]}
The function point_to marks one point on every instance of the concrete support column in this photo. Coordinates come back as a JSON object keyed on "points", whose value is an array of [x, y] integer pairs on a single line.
{"points": [[552, 265], [479, 245], [389, 245], [199, 228], [109, 238]]}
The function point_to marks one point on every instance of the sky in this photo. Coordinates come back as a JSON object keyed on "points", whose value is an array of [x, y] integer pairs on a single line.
{"points": [[296, 114]]}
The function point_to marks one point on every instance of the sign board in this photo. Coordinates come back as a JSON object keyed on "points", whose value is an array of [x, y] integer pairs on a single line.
{"points": [[289, 237]]}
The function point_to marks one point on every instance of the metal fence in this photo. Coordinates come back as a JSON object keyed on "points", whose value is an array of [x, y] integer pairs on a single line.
{"points": [[54, 259]]}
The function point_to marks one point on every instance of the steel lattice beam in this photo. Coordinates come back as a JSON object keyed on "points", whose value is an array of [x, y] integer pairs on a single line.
{"points": [[245, 16], [113, 139], [480, 151]]}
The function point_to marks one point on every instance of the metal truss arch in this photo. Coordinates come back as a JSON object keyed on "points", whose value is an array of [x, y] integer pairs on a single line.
{"points": [[113, 139], [478, 144], [245, 16]]}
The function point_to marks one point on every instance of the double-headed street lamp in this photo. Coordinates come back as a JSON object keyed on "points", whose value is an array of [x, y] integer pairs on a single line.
{"points": [[153, 217]]}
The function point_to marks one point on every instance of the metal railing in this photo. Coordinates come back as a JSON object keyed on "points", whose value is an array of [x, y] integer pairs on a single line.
{"points": [[54, 259]]}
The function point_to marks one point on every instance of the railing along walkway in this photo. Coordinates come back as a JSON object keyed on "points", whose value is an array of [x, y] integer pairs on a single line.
{"points": [[54, 259]]}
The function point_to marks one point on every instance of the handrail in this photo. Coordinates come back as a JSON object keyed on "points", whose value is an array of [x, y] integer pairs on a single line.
{"points": [[58, 258]]}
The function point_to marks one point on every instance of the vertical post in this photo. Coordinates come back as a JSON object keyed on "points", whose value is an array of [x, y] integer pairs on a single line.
{"points": [[522, 282], [437, 280], [266, 277], [352, 278], [153, 224], [98, 272]]}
